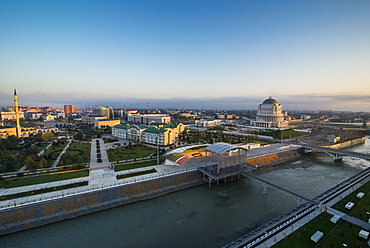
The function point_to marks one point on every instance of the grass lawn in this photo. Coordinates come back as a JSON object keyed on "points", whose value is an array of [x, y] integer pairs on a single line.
{"points": [[302, 237], [52, 177], [344, 233], [75, 153], [124, 153], [51, 154], [40, 148], [123, 167], [136, 174], [361, 205]]}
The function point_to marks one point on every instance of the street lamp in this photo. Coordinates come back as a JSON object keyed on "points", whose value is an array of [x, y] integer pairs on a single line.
{"points": [[157, 150]]}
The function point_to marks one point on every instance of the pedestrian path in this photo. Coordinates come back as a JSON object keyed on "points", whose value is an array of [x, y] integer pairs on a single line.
{"points": [[93, 155], [43, 150], [349, 218], [321, 208], [56, 162]]}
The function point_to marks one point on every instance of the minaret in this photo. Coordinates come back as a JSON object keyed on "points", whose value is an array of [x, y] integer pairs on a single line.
{"points": [[18, 127]]}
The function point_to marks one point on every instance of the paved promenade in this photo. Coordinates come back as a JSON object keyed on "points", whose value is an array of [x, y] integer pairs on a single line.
{"points": [[324, 207]]}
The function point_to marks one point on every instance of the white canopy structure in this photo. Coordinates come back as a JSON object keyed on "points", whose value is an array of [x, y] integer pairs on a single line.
{"points": [[221, 148]]}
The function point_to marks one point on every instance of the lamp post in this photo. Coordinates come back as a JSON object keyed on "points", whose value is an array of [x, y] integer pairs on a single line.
{"points": [[157, 151]]}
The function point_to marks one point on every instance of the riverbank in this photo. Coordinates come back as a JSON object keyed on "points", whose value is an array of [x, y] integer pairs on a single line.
{"points": [[41, 213], [62, 208]]}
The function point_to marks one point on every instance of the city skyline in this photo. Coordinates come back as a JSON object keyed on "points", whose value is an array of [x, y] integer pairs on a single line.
{"points": [[230, 55]]}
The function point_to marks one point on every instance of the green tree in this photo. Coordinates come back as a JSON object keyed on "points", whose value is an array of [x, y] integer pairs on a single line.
{"points": [[11, 163], [86, 157], [43, 162], [30, 164], [33, 149], [47, 136], [74, 158]]}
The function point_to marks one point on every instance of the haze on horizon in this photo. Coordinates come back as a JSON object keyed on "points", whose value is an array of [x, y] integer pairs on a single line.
{"points": [[230, 54]]}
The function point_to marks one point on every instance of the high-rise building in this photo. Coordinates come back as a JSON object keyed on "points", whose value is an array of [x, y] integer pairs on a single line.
{"points": [[69, 109], [104, 111]]}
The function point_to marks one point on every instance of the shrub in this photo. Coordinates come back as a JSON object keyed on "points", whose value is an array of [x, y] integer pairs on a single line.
{"points": [[99, 160], [20, 174]]}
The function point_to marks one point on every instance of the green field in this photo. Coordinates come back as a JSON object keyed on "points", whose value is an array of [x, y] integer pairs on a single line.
{"points": [[362, 206], [302, 237], [77, 152], [334, 235], [129, 152], [37, 179]]}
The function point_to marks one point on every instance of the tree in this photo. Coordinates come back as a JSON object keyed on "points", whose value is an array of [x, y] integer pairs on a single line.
{"points": [[33, 149], [30, 163], [74, 158], [43, 162], [11, 163], [47, 136]]}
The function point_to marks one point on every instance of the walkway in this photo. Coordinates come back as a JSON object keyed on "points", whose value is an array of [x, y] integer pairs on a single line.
{"points": [[336, 153], [56, 162], [279, 188], [93, 153], [349, 218], [282, 234]]}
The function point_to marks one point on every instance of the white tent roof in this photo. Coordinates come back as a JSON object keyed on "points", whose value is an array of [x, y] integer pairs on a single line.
{"points": [[221, 148]]}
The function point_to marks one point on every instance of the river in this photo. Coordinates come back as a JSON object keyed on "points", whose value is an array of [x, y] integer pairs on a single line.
{"points": [[196, 217]]}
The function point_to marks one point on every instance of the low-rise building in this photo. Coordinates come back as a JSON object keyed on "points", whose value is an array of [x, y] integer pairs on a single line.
{"points": [[155, 133], [7, 131], [91, 118], [10, 115], [106, 122], [333, 138], [207, 123], [148, 118]]}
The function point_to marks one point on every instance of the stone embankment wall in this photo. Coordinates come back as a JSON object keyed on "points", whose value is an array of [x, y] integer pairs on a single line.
{"points": [[42, 213], [266, 162], [348, 143]]}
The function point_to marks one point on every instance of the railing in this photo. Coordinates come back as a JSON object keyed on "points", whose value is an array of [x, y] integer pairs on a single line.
{"points": [[328, 195], [91, 188]]}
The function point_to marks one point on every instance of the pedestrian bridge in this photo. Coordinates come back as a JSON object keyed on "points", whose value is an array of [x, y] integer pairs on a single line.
{"points": [[336, 154]]}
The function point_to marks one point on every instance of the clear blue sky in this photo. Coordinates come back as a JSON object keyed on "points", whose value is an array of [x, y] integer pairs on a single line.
{"points": [[229, 54]]}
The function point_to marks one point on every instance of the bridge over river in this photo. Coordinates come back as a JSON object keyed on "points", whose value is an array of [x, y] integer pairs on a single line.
{"points": [[337, 154]]}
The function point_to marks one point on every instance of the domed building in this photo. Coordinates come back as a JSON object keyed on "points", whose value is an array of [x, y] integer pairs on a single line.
{"points": [[270, 115]]}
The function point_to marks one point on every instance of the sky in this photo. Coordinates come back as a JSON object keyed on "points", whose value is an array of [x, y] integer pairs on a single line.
{"points": [[226, 54]]}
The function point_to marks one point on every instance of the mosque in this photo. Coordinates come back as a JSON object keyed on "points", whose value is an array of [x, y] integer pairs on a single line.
{"points": [[17, 131], [270, 115]]}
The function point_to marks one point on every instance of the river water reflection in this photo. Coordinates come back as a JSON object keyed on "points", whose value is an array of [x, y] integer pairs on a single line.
{"points": [[196, 217]]}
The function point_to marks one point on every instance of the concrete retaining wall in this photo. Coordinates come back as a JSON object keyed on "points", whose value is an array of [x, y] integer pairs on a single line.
{"points": [[273, 158], [349, 143], [42, 213]]}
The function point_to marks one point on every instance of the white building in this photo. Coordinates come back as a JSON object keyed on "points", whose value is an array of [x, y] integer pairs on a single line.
{"points": [[207, 123], [148, 118], [10, 115], [156, 133], [270, 115]]}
